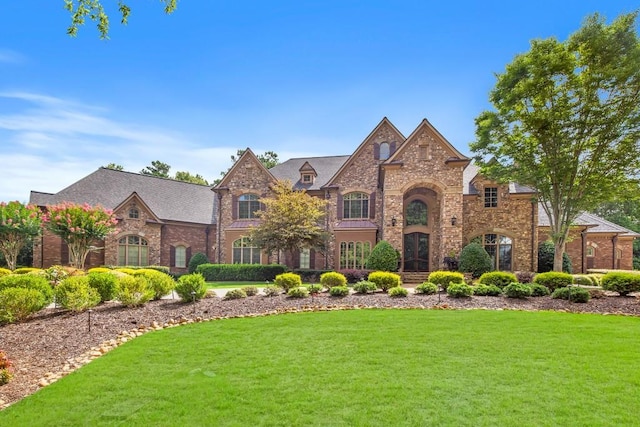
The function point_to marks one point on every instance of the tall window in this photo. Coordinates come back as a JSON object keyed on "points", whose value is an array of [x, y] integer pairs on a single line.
{"points": [[491, 197], [244, 252], [133, 250], [356, 206], [248, 205], [416, 213], [134, 213], [591, 251], [499, 248], [305, 258], [384, 151], [181, 256], [354, 254]]}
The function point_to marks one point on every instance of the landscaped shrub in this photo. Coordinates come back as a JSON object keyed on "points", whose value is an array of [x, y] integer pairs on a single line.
{"points": [[355, 276], [314, 289], [309, 276], [525, 276], [487, 290], [250, 291], [622, 282], [459, 290], [196, 260], [538, 290], [546, 251], [235, 294], [105, 283], [365, 287], [384, 279], [572, 293], [339, 291], [272, 290], [126, 270], [55, 274], [517, 290], [5, 369], [29, 281], [427, 288], [298, 292], [288, 280], [16, 304], [553, 280], [583, 280], [134, 291], [75, 294], [444, 278], [240, 272], [398, 291], [475, 260], [498, 278], [4, 271], [98, 270], [332, 278], [27, 270], [161, 283], [383, 257], [191, 286]]}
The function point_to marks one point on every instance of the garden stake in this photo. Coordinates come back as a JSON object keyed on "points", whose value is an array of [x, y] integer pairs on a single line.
{"points": [[193, 298], [89, 318]]}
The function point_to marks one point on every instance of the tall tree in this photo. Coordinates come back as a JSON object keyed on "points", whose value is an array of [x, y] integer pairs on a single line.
{"points": [[567, 122], [290, 221], [19, 224], [188, 177], [157, 168], [268, 159]]}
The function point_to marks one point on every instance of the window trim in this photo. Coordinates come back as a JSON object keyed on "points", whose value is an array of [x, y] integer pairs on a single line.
{"points": [[134, 213], [491, 197], [255, 256], [252, 201], [353, 254], [347, 201], [143, 255], [180, 255]]}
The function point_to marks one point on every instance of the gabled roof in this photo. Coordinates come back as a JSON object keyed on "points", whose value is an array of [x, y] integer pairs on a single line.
{"points": [[472, 171], [134, 197], [248, 154], [593, 222], [325, 168], [168, 199]]}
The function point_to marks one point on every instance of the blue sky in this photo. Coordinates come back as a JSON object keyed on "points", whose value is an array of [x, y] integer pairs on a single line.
{"points": [[295, 77]]}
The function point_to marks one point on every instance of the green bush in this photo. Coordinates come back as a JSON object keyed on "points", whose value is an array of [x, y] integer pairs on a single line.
{"points": [[332, 278], [134, 291], [339, 291], [444, 278], [250, 291], [298, 292], [583, 280], [75, 294], [427, 288], [314, 289], [398, 291], [28, 281], [572, 293], [498, 278], [105, 283], [288, 281], [546, 251], [383, 257], [553, 280], [538, 290], [364, 287], [235, 294], [197, 259], [487, 290], [16, 304], [475, 260], [459, 290], [384, 280], [309, 276], [240, 272], [272, 290], [4, 271], [622, 282], [26, 270], [161, 283], [517, 290], [191, 286]]}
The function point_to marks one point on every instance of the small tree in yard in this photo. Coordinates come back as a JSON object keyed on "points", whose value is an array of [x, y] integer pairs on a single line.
{"points": [[18, 225], [79, 226], [474, 259], [383, 257]]}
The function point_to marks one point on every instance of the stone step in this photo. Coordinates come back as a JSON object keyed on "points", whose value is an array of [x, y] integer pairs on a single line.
{"points": [[411, 278]]}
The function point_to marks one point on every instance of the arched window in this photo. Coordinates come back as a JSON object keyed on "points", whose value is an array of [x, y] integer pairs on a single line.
{"points": [[499, 248], [181, 256], [244, 252], [134, 213], [384, 151], [591, 251], [416, 213], [133, 250], [248, 205], [355, 206]]}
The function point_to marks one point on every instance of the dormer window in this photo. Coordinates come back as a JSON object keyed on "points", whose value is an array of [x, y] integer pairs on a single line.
{"points": [[134, 213], [307, 178]]}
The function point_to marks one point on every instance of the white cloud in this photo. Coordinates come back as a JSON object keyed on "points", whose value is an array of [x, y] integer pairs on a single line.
{"points": [[11, 57]]}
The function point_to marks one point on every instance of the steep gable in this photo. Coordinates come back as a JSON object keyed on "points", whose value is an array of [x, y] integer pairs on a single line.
{"points": [[244, 173]]}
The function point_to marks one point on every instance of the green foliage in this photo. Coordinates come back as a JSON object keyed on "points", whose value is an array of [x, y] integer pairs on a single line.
{"points": [[622, 282], [444, 278], [157, 168], [4, 272], [365, 287], [288, 281], [250, 291], [29, 281], [538, 290], [383, 257], [487, 290], [5, 369], [314, 289], [332, 278], [339, 291], [161, 283], [498, 278], [272, 290], [572, 293], [16, 304], [546, 253], [191, 286], [298, 292], [105, 283], [196, 260], [583, 280], [553, 280], [235, 294], [27, 270], [240, 272], [75, 294], [309, 276], [188, 177], [19, 224], [384, 280], [459, 290], [427, 288], [474, 259], [398, 291], [134, 291], [517, 290]]}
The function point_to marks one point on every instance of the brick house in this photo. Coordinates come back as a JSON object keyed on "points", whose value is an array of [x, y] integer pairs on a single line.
{"points": [[418, 192]]}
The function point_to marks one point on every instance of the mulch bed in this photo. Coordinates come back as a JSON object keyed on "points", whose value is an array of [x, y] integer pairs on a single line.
{"points": [[48, 340]]}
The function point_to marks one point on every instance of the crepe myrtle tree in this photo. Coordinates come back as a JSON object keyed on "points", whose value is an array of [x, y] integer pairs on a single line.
{"points": [[79, 226], [19, 223], [566, 122]]}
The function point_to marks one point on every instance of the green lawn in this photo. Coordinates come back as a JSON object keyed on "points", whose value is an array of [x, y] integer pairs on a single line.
{"points": [[359, 368]]}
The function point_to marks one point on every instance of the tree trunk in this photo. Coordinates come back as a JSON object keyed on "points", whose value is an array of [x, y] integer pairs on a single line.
{"points": [[559, 247]]}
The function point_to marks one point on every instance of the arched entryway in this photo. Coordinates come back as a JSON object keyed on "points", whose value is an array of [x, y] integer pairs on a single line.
{"points": [[420, 204]]}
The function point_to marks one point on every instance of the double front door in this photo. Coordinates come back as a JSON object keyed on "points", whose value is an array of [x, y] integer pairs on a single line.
{"points": [[416, 252]]}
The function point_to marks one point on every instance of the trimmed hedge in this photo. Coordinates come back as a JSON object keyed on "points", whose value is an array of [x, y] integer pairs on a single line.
{"points": [[427, 288], [16, 304], [445, 278], [474, 259], [28, 281], [459, 290], [573, 294], [517, 290], [384, 279], [332, 278], [240, 272], [483, 290], [288, 281], [498, 278], [553, 280], [622, 282]]}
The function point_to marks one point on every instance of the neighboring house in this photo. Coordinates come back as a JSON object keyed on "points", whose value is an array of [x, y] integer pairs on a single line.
{"points": [[418, 192]]}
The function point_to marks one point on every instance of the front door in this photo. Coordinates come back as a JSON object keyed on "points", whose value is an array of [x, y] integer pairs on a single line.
{"points": [[416, 252]]}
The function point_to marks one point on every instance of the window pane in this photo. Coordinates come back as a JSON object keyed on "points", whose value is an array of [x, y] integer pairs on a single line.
{"points": [[237, 253], [122, 254], [505, 258], [132, 258], [181, 256], [416, 213], [144, 255]]}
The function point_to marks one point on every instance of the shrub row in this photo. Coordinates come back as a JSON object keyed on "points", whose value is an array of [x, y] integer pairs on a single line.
{"points": [[240, 272]]}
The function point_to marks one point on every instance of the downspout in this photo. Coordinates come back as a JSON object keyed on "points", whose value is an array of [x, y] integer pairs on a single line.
{"points": [[219, 229], [614, 242], [534, 237], [206, 241], [584, 251], [327, 196]]}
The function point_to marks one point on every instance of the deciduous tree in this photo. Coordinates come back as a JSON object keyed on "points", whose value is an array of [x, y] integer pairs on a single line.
{"points": [[19, 224], [567, 122], [188, 177]]}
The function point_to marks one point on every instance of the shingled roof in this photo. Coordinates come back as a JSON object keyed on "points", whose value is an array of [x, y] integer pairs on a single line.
{"points": [[325, 167], [168, 199], [472, 170], [592, 221]]}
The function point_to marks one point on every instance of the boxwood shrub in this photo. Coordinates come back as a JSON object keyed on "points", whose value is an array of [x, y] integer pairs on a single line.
{"points": [[238, 293], [161, 283], [16, 304], [572, 293], [487, 290], [339, 291], [298, 292], [75, 294], [332, 278], [459, 290], [498, 278], [517, 290], [384, 280], [134, 291], [622, 282], [444, 278], [398, 291], [365, 287], [553, 280], [240, 272], [29, 281], [427, 288], [288, 281], [191, 283], [538, 290]]}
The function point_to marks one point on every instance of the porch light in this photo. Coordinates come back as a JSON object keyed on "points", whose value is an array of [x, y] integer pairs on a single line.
{"points": [[394, 221], [454, 220]]}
